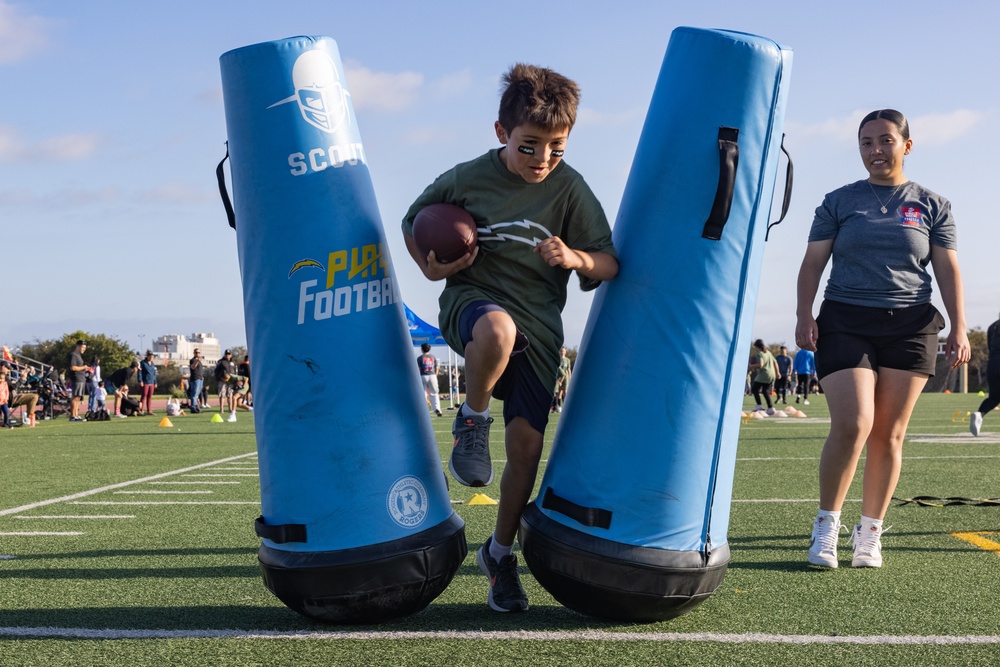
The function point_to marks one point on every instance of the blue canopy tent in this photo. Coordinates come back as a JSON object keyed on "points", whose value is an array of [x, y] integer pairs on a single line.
{"points": [[421, 332]]}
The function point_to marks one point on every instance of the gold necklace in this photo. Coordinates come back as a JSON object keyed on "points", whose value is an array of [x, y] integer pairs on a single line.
{"points": [[884, 206]]}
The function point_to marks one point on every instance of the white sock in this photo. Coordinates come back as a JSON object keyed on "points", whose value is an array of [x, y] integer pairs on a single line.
{"points": [[497, 551], [867, 522], [833, 515], [466, 411]]}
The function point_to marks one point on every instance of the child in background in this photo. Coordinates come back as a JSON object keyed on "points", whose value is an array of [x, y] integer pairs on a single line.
{"points": [[174, 408], [102, 395]]}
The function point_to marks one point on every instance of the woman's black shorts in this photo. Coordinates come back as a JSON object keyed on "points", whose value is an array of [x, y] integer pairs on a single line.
{"points": [[851, 336]]}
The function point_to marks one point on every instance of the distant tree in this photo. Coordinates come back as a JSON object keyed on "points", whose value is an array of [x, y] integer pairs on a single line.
{"points": [[239, 351], [168, 380], [113, 352]]}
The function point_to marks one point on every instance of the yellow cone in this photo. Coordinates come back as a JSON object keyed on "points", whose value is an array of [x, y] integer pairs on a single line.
{"points": [[217, 418], [166, 422], [981, 393], [481, 499]]}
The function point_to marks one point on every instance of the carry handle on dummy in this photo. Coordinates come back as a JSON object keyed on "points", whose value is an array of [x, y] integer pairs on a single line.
{"points": [[356, 522], [632, 514]]}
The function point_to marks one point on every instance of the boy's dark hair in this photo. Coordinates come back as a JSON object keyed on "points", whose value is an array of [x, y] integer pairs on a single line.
{"points": [[425, 348], [537, 96]]}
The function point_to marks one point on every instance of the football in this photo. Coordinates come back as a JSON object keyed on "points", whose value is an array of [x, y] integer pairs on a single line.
{"points": [[447, 229]]}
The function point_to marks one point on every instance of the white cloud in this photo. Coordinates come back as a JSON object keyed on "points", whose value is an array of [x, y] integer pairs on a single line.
{"points": [[179, 193], [68, 147], [20, 34], [382, 91], [940, 128], [929, 129], [63, 148], [452, 85], [588, 116]]}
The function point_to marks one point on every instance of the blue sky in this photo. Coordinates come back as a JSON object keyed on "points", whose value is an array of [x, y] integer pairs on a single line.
{"points": [[112, 123]]}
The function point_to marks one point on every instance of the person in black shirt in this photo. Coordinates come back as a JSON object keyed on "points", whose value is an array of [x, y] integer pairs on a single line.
{"points": [[225, 373], [117, 383], [992, 378], [197, 367], [77, 376]]}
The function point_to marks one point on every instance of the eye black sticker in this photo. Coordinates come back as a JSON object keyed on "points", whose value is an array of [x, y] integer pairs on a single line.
{"points": [[527, 150]]}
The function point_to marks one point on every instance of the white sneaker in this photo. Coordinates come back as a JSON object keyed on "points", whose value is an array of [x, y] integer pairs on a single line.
{"points": [[805, 402], [232, 417], [770, 412], [867, 546], [975, 423], [823, 547]]}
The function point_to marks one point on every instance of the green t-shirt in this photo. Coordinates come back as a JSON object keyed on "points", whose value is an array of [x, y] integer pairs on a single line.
{"points": [[512, 217], [767, 372]]}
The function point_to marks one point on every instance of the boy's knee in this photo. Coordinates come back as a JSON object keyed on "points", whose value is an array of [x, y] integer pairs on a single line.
{"points": [[495, 328]]}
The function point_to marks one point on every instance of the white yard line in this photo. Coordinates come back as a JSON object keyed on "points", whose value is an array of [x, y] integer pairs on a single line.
{"points": [[164, 502], [76, 516], [112, 487], [223, 475], [163, 493], [198, 483], [508, 635]]}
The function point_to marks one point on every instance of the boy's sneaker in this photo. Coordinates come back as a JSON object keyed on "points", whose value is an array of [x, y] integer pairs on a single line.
{"points": [[770, 412], [867, 546], [759, 408], [805, 401], [506, 593], [470, 457], [823, 547], [976, 423], [232, 417]]}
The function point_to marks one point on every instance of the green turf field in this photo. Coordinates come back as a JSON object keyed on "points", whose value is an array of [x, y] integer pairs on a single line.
{"points": [[134, 545]]}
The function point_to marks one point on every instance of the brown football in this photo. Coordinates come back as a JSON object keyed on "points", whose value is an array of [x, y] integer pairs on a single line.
{"points": [[446, 229]]}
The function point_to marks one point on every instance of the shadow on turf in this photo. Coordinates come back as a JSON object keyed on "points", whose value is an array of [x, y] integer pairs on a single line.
{"points": [[48, 572], [278, 618], [782, 544]]}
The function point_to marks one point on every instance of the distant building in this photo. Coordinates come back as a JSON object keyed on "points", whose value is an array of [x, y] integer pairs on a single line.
{"points": [[179, 349]]}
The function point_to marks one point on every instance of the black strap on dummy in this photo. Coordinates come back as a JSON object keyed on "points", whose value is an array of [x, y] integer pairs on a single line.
{"points": [[588, 516], [288, 532], [729, 158], [220, 175], [788, 189]]}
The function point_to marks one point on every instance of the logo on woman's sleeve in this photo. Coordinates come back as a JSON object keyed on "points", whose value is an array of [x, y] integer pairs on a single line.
{"points": [[911, 215]]}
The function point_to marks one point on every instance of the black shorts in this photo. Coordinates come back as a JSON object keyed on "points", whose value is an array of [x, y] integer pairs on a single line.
{"points": [[851, 336], [522, 393]]}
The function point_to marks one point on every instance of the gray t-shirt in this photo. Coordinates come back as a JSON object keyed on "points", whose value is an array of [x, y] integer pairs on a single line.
{"points": [[880, 259]]}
